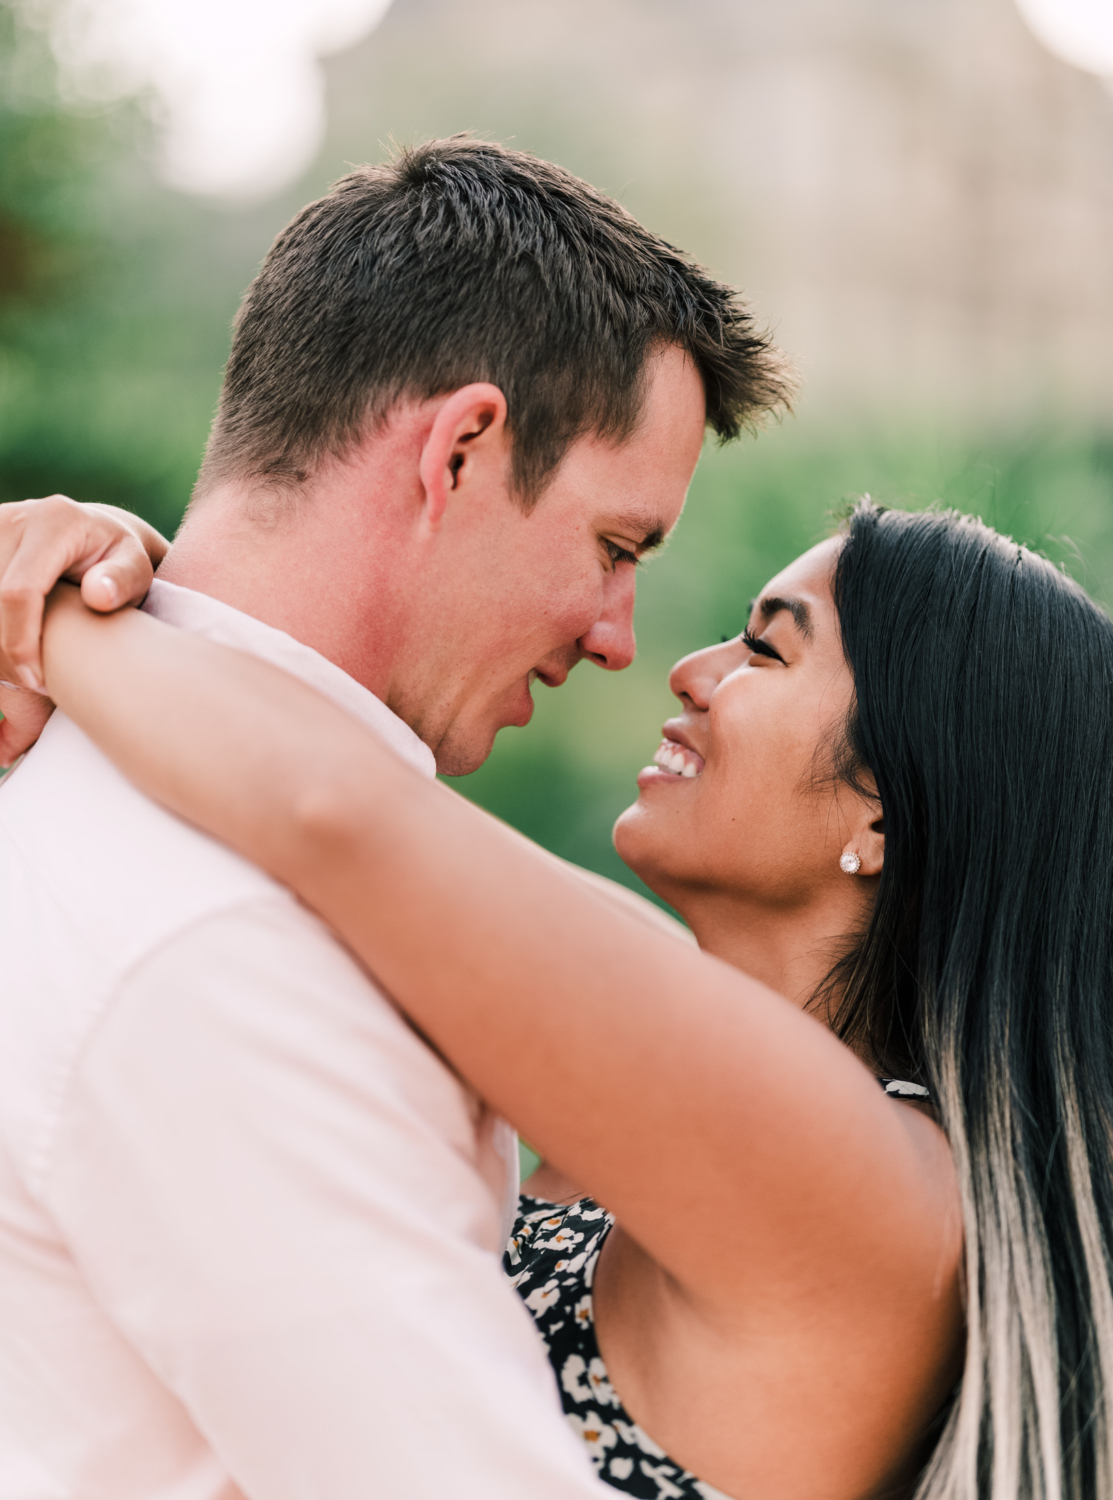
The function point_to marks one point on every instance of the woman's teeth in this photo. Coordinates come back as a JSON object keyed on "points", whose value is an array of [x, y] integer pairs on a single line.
{"points": [[675, 758]]}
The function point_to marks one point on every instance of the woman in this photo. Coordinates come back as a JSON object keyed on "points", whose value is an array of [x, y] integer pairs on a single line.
{"points": [[886, 811]]}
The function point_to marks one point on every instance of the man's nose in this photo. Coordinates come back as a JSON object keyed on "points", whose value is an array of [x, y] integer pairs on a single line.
{"points": [[610, 641]]}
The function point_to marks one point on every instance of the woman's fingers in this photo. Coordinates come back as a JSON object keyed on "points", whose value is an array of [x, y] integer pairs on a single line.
{"points": [[42, 541], [123, 574], [25, 716]]}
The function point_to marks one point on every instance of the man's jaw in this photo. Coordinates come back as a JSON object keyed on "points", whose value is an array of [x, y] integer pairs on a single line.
{"points": [[516, 709], [464, 749], [513, 712]]}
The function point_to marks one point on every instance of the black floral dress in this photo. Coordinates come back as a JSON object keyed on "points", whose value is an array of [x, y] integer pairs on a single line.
{"points": [[551, 1260]]}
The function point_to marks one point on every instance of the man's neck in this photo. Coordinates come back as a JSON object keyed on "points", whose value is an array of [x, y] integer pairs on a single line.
{"points": [[286, 575]]}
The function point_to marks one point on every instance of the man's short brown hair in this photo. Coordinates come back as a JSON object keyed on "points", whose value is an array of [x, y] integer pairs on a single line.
{"points": [[459, 261]]}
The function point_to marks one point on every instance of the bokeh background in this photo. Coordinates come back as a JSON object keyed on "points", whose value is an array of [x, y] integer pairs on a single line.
{"points": [[917, 195]]}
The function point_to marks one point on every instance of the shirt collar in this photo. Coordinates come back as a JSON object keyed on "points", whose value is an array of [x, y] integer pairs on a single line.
{"points": [[201, 615]]}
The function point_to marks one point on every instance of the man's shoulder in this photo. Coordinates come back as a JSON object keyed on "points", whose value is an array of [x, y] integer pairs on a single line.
{"points": [[94, 879], [108, 865]]}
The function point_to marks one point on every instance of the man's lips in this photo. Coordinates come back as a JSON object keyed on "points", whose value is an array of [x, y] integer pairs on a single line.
{"points": [[523, 710], [519, 703], [555, 675]]}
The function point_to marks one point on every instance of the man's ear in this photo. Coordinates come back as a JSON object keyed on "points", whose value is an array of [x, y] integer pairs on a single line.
{"points": [[468, 432]]}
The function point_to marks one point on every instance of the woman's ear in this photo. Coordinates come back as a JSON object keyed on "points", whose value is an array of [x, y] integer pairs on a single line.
{"points": [[864, 825], [871, 847]]}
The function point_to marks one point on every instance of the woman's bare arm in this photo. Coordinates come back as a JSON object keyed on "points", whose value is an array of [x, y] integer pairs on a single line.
{"points": [[111, 553], [735, 1137]]}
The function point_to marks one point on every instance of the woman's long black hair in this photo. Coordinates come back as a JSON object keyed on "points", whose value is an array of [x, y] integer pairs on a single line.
{"points": [[984, 713]]}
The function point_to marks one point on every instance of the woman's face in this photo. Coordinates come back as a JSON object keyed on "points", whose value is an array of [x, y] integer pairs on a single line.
{"points": [[739, 802]]}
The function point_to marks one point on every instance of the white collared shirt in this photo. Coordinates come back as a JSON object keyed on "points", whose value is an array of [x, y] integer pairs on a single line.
{"points": [[249, 1222]]}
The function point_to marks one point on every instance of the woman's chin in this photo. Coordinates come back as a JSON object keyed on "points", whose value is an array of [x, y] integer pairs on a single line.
{"points": [[638, 843]]}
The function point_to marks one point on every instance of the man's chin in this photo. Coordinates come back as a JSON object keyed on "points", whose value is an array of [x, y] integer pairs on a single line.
{"points": [[460, 755], [464, 750]]}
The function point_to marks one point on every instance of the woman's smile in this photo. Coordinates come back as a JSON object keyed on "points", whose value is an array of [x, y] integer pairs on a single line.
{"points": [[676, 759]]}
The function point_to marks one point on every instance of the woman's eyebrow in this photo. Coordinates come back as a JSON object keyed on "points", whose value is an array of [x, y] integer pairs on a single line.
{"points": [[772, 605]]}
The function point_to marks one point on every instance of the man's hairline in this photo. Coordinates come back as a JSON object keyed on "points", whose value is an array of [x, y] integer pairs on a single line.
{"points": [[377, 418]]}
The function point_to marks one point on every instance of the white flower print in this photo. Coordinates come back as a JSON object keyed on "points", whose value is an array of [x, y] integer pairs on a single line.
{"points": [[542, 1298], [632, 1434], [557, 1252], [564, 1239], [601, 1387], [571, 1378], [666, 1490], [595, 1433]]}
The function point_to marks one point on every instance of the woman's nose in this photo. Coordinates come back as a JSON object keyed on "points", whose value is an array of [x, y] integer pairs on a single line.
{"points": [[695, 677]]}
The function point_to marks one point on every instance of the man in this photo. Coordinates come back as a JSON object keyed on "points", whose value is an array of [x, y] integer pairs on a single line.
{"points": [[248, 1221]]}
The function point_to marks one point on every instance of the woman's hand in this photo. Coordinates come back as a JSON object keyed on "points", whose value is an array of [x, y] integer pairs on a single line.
{"points": [[110, 553]]}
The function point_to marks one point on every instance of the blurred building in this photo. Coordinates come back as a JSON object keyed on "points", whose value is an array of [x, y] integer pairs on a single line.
{"points": [[916, 193]]}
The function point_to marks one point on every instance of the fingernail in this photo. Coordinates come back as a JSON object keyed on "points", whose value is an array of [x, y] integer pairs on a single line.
{"points": [[109, 590], [28, 678]]}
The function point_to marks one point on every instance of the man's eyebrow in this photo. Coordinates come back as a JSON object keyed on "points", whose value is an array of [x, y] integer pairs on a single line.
{"points": [[772, 605], [651, 531]]}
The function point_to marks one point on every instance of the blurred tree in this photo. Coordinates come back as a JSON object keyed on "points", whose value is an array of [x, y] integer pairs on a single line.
{"points": [[44, 157], [115, 298], [55, 261]]}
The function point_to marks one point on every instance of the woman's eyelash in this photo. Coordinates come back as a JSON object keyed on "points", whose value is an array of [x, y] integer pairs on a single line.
{"points": [[759, 647]]}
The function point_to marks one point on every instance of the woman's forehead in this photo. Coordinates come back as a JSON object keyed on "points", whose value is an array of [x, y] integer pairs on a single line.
{"points": [[808, 578]]}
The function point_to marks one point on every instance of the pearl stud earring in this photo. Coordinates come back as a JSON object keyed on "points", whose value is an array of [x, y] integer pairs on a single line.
{"points": [[850, 862]]}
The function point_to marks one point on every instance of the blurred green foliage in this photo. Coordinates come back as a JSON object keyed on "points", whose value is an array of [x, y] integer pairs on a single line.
{"points": [[116, 297]]}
